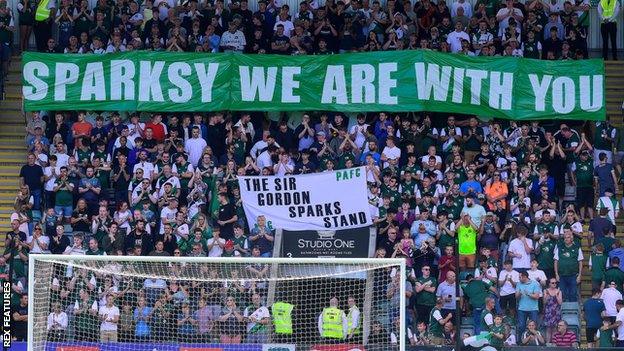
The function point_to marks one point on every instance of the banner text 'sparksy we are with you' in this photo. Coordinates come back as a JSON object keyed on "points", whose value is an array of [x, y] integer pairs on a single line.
{"points": [[398, 81]]}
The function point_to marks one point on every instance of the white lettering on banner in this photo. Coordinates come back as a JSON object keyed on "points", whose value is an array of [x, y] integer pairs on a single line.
{"points": [[321, 201], [501, 91], [591, 98], [564, 93], [458, 85], [563, 98], [334, 86], [206, 79], [149, 81], [289, 84], [122, 80], [257, 83], [37, 88], [432, 80], [386, 83], [66, 73], [93, 83], [362, 88], [476, 81], [176, 72], [362, 84], [539, 90]]}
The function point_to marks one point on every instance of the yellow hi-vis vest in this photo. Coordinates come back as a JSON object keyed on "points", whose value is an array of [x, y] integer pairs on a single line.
{"points": [[608, 7], [332, 323], [43, 12], [282, 319], [350, 328]]}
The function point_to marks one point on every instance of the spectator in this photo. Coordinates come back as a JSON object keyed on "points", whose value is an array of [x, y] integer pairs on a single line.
{"points": [[231, 322], [568, 267], [564, 337], [528, 294], [109, 318], [532, 336], [57, 323], [594, 308]]}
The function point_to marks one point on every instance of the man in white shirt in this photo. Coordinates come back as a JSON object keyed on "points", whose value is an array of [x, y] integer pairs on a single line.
{"points": [[215, 244], [461, 3], [109, 317], [537, 274], [149, 170], [283, 20], [619, 321], [610, 295], [168, 214], [390, 152], [195, 146], [258, 317], [353, 320], [519, 251], [503, 15], [454, 38], [265, 158], [233, 40], [507, 280]]}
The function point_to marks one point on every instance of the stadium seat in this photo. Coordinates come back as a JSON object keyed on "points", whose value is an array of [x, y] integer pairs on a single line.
{"points": [[571, 319], [570, 306]]}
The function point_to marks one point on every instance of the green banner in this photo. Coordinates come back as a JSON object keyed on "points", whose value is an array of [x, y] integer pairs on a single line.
{"points": [[396, 81]]}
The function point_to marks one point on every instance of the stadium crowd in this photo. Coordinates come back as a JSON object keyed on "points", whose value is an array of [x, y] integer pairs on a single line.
{"points": [[535, 29], [166, 184], [106, 184]]}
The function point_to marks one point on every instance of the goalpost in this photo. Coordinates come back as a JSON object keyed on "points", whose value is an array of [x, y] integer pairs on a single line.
{"points": [[155, 303]]}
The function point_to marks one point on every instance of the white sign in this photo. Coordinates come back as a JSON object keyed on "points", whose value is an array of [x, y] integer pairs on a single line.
{"points": [[319, 201]]}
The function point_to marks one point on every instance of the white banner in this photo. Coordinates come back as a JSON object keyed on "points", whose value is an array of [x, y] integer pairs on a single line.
{"points": [[319, 201]]}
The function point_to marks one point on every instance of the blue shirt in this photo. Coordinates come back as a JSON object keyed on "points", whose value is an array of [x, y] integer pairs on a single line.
{"points": [[593, 308], [619, 252], [476, 187], [430, 230], [526, 303], [142, 328]]}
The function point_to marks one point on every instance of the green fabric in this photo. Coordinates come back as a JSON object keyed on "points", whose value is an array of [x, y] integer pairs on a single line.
{"points": [[63, 197], [546, 256], [599, 265], [435, 329], [568, 260], [400, 81], [614, 274], [467, 237], [585, 173], [425, 297], [484, 325], [476, 291]]}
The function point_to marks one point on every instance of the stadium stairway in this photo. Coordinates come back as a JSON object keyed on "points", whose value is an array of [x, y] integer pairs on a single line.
{"points": [[12, 145], [614, 86]]}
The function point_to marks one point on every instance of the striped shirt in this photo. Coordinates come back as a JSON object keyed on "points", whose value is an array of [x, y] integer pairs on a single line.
{"points": [[564, 340]]}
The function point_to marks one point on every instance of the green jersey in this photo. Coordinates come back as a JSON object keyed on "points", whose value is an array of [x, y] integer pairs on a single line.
{"points": [[584, 173], [426, 298]]}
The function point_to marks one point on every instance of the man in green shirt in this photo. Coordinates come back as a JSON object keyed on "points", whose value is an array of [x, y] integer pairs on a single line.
{"points": [[568, 267], [584, 180], [63, 197], [436, 323], [614, 274], [425, 288], [476, 291]]}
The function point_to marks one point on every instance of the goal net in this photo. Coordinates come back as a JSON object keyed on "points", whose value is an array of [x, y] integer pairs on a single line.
{"points": [[114, 303]]}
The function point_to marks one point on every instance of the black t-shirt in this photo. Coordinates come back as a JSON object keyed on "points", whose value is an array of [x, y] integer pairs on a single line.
{"points": [[226, 212], [485, 160], [82, 225], [122, 184], [149, 143], [32, 176], [19, 328]]}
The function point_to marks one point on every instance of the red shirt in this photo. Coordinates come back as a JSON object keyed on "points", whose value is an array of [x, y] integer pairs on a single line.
{"points": [[444, 259], [160, 131]]}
